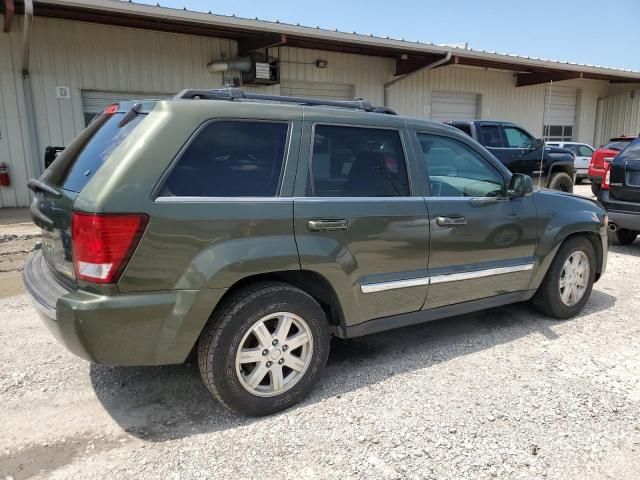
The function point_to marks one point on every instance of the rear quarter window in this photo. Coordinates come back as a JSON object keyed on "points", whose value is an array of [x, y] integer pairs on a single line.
{"points": [[230, 159], [78, 163]]}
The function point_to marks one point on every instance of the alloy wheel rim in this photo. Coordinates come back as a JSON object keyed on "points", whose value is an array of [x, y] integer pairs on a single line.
{"points": [[274, 354], [574, 278]]}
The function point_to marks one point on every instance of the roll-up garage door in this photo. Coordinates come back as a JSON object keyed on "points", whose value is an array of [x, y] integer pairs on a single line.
{"points": [[328, 91], [94, 102], [560, 112], [453, 106]]}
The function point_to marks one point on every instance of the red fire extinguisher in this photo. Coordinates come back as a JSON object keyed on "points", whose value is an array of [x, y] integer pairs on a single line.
{"points": [[5, 180]]}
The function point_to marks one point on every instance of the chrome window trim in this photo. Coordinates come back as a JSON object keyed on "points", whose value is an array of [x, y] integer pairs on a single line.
{"points": [[445, 278], [171, 199]]}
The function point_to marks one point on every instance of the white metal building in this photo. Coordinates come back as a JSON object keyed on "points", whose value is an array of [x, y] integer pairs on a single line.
{"points": [[63, 61]]}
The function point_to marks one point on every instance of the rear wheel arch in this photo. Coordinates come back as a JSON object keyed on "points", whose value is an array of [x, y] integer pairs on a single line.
{"points": [[312, 283]]}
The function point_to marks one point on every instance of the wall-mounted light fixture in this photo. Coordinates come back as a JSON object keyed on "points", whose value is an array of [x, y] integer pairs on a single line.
{"points": [[321, 63]]}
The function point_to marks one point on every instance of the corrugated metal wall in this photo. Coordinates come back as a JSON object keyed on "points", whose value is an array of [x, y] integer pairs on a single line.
{"points": [[499, 97], [618, 115], [14, 144], [85, 56]]}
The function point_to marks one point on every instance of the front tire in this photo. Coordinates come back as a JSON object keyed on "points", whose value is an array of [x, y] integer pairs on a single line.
{"points": [[561, 181], [264, 348], [568, 283], [595, 188]]}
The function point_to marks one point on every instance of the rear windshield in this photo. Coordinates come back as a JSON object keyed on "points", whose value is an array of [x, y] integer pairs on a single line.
{"points": [[617, 144], [77, 163], [630, 152]]}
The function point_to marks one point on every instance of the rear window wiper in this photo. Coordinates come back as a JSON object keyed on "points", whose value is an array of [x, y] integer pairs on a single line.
{"points": [[130, 115]]}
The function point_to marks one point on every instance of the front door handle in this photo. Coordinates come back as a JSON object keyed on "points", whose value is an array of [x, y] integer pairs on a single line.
{"points": [[451, 221], [327, 225]]}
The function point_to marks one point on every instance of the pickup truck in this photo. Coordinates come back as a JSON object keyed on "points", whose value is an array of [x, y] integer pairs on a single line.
{"points": [[521, 152]]}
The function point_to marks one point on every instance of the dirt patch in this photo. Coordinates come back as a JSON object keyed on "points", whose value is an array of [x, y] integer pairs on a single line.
{"points": [[41, 459], [16, 242]]}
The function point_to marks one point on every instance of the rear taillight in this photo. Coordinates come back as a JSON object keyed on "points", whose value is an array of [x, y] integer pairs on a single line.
{"points": [[606, 180], [111, 109], [104, 243]]}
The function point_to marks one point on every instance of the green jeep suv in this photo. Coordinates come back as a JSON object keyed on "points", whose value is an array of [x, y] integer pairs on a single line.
{"points": [[252, 228]]}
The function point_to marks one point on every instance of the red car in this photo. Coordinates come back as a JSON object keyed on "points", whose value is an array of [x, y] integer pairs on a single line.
{"points": [[603, 156]]}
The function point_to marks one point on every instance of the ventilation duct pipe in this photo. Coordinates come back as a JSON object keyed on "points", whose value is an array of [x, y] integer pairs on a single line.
{"points": [[242, 64]]}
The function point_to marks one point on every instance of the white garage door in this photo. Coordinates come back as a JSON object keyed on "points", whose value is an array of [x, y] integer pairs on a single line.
{"points": [[94, 102], [560, 113], [328, 91], [453, 106]]}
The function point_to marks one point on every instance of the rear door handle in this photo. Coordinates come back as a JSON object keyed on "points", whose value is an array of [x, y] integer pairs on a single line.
{"points": [[327, 225], [451, 221]]}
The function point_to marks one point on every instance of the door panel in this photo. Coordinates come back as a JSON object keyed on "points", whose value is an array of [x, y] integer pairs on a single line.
{"points": [[498, 233], [356, 223], [385, 241], [481, 243]]}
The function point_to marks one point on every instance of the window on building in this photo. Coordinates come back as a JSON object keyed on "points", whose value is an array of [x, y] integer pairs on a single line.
{"points": [[490, 136], [517, 138], [558, 133], [456, 170], [231, 159], [357, 162]]}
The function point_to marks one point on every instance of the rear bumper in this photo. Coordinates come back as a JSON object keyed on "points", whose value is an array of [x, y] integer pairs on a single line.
{"points": [[155, 328], [620, 213]]}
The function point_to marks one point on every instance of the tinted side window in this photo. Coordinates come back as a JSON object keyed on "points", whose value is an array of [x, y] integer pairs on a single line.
{"points": [[490, 136], [517, 138], [456, 170], [357, 162], [231, 159]]}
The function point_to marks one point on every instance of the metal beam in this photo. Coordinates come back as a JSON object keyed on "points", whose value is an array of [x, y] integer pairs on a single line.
{"points": [[9, 12], [246, 45], [526, 79]]}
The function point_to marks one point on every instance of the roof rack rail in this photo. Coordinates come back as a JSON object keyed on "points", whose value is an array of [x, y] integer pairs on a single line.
{"points": [[232, 94]]}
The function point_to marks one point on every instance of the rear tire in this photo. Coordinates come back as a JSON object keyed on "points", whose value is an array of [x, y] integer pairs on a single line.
{"points": [[561, 181], [622, 236], [554, 296], [279, 326], [578, 181], [595, 188]]}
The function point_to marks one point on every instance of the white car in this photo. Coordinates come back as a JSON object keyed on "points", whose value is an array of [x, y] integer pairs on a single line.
{"points": [[582, 152]]}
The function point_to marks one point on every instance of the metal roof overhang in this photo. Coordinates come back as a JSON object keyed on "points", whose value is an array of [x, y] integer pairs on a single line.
{"points": [[256, 34]]}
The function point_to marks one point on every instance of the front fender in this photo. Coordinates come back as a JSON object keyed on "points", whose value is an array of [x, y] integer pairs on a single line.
{"points": [[562, 165], [561, 215]]}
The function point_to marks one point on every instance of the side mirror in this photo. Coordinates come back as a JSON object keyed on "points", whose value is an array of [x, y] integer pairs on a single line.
{"points": [[50, 154], [520, 185], [538, 143]]}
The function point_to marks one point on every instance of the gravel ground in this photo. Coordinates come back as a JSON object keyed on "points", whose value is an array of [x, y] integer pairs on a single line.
{"points": [[504, 393]]}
